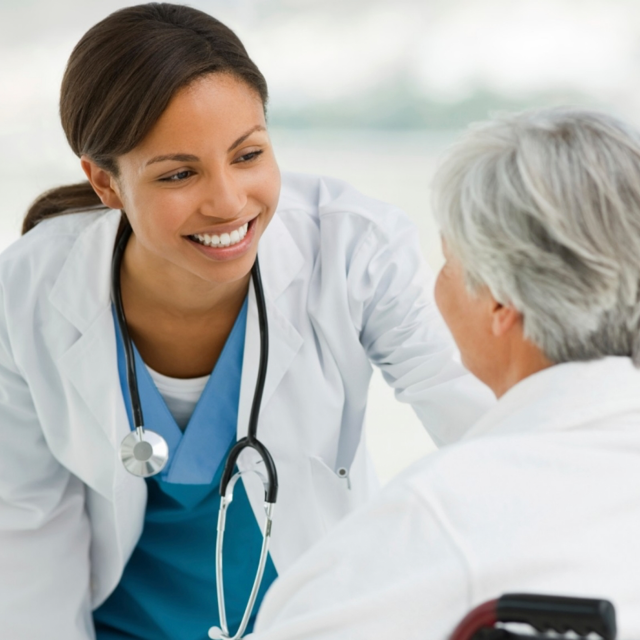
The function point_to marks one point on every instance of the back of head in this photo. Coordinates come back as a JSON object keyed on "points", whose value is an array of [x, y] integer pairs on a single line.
{"points": [[122, 75], [543, 208]]}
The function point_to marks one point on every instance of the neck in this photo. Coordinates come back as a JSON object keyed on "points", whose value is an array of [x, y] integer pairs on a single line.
{"points": [[161, 287], [524, 360]]}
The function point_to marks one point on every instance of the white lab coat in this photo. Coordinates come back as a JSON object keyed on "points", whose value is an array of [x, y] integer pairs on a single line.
{"points": [[541, 496], [345, 287]]}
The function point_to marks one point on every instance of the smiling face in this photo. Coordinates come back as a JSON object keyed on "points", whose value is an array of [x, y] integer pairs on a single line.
{"points": [[202, 186]]}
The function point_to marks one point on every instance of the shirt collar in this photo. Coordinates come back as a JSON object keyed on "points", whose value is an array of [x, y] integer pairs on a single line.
{"points": [[564, 396]]}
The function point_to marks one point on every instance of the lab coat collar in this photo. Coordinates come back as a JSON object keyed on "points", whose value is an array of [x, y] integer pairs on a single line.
{"points": [[564, 396], [280, 258], [82, 295], [280, 261], [83, 288], [88, 266]]}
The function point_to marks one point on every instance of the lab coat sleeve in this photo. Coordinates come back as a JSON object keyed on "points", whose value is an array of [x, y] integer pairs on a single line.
{"points": [[391, 570], [403, 333], [44, 530]]}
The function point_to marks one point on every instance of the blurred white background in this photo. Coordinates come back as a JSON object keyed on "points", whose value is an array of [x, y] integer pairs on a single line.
{"points": [[370, 91]]}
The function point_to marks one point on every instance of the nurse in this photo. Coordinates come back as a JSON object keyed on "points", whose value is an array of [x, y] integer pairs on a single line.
{"points": [[167, 114]]}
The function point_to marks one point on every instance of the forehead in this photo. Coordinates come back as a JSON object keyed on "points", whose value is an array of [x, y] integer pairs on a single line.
{"points": [[211, 111]]}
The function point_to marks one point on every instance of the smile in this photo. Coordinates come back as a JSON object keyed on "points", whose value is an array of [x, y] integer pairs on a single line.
{"points": [[224, 239]]}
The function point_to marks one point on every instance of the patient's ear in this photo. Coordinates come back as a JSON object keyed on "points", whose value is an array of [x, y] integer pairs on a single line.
{"points": [[503, 319], [103, 183]]}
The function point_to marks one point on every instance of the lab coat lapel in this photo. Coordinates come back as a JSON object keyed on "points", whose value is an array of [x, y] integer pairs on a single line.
{"points": [[100, 421], [280, 262], [87, 269]]}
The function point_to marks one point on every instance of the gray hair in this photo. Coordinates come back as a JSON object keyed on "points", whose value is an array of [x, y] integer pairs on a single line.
{"points": [[543, 208]]}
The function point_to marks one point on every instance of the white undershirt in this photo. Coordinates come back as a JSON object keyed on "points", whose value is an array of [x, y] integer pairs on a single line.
{"points": [[181, 395]]}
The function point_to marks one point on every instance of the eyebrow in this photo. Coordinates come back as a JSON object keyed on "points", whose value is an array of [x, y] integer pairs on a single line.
{"points": [[187, 157], [242, 138], [178, 157]]}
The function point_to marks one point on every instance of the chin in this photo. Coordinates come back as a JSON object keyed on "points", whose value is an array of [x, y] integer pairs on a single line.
{"points": [[227, 273]]}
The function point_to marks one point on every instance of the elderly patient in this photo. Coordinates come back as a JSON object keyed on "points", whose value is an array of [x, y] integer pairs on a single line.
{"points": [[540, 221]]}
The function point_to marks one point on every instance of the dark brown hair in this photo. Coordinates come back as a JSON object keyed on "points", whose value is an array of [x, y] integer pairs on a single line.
{"points": [[120, 78]]}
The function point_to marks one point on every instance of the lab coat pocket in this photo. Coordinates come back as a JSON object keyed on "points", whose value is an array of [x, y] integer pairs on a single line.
{"points": [[333, 497]]}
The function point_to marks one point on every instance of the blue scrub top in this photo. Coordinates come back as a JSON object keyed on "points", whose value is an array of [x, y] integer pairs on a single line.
{"points": [[168, 588]]}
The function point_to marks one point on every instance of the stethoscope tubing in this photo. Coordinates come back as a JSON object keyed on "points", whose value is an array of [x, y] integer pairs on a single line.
{"points": [[132, 378], [222, 632], [249, 441], [229, 478]]}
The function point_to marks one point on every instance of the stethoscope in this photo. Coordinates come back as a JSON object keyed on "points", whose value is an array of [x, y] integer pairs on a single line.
{"points": [[144, 452]]}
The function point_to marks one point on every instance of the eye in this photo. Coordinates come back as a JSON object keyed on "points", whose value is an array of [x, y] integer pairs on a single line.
{"points": [[177, 177], [248, 157]]}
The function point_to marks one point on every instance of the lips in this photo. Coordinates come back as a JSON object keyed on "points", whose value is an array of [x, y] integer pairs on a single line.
{"points": [[231, 244], [223, 239]]}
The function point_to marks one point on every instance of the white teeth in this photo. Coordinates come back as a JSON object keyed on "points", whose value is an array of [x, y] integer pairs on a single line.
{"points": [[223, 240]]}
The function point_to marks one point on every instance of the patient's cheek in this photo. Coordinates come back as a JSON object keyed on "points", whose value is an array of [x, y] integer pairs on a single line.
{"points": [[448, 299], [440, 292]]}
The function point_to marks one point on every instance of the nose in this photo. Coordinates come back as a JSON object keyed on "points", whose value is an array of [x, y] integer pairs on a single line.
{"points": [[223, 196]]}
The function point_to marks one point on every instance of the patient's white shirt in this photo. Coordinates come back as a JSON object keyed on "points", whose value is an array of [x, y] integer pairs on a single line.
{"points": [[542, 495]]}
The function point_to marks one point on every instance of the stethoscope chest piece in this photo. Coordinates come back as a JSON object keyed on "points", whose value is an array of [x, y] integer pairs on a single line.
{"points": [[143, 452], [144, 455]]}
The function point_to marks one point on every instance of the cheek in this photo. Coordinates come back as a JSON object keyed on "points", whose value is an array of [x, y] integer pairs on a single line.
{"points": [[443, 294], [153, 217], [437, 291], [156, 214], [452, 304]]}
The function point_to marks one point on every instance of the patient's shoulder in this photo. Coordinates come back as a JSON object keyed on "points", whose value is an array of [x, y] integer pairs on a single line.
{"points": [[524, 481]]}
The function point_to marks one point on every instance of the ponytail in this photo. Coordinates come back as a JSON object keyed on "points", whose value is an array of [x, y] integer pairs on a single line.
{"points": [[61, 200]]}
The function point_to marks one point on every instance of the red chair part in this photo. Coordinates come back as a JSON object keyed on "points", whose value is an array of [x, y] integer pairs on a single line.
{"points": [[483, 616]]}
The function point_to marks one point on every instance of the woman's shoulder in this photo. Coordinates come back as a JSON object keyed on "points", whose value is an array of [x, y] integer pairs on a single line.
{"points": [[334, 202], [52, 235], [40, 254]]}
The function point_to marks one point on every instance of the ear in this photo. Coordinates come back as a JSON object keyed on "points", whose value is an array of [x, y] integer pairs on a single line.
{"points": [[103, 183], [503, 319]]}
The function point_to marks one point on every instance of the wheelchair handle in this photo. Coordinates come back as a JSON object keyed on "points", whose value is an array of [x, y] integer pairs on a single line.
{"points": [[558, 613], [543, 613]]}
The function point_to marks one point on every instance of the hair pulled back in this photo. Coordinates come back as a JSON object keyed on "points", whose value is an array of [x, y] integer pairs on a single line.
{"points": [[120, 78]]}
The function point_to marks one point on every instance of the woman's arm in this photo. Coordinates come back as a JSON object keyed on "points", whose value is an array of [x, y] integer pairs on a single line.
{"points": [[391, 292], [44, 528]]}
